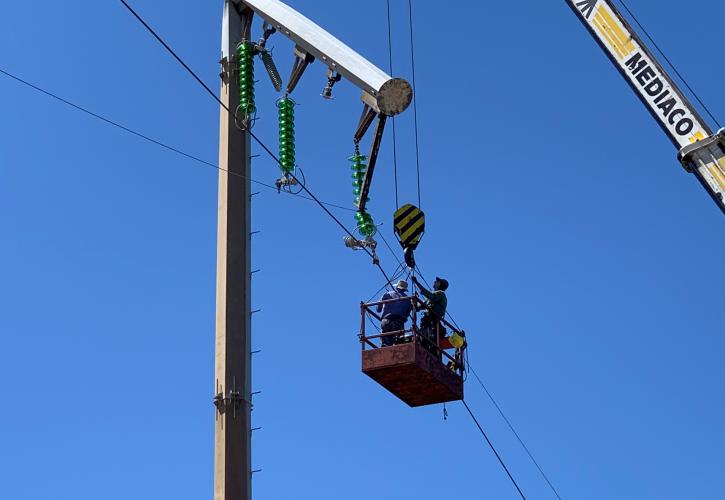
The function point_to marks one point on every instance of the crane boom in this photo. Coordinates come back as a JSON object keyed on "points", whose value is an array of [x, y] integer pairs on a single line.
{"points": [[701, 152]]}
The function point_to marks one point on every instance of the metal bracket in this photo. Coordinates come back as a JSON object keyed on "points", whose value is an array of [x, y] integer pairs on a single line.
{"points": [[372, 160], [687, 154], [332, 78], [368, 243], [229, 400], [366, 119], [391, 95], [230, 66], [284, 182], [268, 30], [248, 17], [302, 60]]}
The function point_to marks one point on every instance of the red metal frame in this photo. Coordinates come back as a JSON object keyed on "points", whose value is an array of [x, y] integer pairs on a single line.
{"points": [[413, 333]]}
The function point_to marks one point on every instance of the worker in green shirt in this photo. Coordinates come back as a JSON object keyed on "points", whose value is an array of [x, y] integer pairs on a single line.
{"points": [[436, 304]]}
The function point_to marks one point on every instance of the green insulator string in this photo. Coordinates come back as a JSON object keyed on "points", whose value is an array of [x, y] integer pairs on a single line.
{"points": [[286, 108], [245, 52], [365, 223], [359, 168]]}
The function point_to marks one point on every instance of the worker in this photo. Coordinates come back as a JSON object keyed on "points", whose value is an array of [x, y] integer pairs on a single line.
{"points": [[436, 304], [396, 313]]}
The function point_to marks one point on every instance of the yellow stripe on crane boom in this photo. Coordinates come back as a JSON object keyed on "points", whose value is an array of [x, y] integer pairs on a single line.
{"points": [[664, 100]]}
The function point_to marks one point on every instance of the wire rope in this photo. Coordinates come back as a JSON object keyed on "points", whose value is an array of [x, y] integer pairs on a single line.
{"points": [[415, 97], [395, 141], [674, 68]]}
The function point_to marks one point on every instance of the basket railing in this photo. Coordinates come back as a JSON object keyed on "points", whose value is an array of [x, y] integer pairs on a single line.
{"points": [[372, 337]]}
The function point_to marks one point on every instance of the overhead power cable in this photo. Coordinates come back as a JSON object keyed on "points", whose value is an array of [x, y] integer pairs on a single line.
{"points": [[395, 255], [490, 444], [248, 131], [151, 139], [511, 427], [679, 75], [498, 407]]}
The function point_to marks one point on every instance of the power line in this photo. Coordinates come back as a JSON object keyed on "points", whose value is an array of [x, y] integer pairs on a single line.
{"points": [[490, 396], [490, 444], [679, 75], [150, 139], [395, 141], [178, 59], [246, 129], [415, 96], [398, 273], [389, 248], [508, 422]]}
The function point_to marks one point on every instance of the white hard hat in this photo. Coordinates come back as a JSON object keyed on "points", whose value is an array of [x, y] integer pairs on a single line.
{"points": [[401, 285]]}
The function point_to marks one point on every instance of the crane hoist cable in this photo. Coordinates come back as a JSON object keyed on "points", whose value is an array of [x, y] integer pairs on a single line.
{"points": [[395, 141], [674, 68], [415, 96]]}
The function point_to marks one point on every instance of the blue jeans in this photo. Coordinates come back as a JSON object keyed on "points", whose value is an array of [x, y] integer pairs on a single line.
{"points": [[391, 323]]}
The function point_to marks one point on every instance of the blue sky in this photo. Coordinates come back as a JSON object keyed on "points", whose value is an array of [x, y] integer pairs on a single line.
{"points": [[583, 262]]}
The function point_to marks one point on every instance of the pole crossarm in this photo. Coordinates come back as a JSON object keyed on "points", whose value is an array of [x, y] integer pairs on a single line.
{"points": [[391, 96]]}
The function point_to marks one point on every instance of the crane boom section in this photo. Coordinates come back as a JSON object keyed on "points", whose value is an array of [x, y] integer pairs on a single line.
{"points": [[701, 152], [677, 117]]}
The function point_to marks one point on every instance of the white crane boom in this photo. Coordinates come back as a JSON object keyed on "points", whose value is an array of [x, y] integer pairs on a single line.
{"points": [[701, 152], [388, 95]]}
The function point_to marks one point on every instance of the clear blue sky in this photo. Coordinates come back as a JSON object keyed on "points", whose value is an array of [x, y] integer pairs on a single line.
{"points": [[584, 263]]}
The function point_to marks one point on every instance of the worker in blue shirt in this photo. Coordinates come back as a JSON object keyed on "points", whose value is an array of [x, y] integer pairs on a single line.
{"points": [[394, 314]]}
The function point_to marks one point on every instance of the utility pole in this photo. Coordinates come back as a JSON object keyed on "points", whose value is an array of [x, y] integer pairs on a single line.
{"points": [[382, 96], [232, 448]]}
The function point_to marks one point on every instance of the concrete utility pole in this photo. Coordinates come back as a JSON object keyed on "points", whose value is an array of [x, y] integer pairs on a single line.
{"points": [[232, 448], [382, 95]]}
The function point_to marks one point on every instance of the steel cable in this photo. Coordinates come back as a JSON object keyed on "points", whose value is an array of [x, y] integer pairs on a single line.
{"points": [[679, 75], [415, 97], [395, 141]]}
